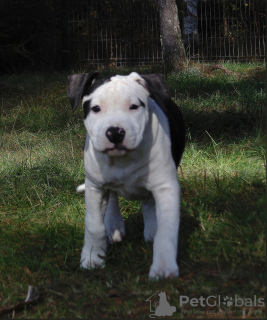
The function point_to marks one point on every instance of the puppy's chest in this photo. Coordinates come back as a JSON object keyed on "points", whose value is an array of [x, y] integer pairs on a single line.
{"points": [[130, 184]]}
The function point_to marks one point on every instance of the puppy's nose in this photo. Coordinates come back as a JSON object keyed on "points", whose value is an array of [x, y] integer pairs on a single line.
{"points": [[115, 134]]}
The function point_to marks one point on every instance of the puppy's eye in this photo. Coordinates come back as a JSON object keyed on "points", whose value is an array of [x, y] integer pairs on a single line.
{"points": [[133, 107], [96, 109]]}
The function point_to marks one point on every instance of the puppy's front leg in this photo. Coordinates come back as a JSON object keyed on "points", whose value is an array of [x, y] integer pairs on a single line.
{"points": [[165, 244], [95, 239]]}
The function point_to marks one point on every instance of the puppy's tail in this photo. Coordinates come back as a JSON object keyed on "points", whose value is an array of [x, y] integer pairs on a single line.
{"points": [[81, 188]]}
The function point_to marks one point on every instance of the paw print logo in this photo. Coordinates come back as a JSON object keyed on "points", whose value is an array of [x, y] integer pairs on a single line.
{"points": [[228, 301]]}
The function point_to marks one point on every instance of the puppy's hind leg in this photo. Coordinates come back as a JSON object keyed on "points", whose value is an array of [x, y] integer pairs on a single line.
{"points": [[114, 223], [150, 219]]}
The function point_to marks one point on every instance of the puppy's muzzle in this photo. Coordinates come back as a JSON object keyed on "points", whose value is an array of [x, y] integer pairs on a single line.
{"points": [[115, 135]]}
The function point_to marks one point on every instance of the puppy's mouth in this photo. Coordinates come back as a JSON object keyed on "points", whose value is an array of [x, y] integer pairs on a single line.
{"points": [[117, 150]]}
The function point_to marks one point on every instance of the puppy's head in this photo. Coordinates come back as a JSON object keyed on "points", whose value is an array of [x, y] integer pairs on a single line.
{"points": [[115, 110]]}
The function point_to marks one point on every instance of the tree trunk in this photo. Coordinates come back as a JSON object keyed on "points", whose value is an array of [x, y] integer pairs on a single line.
{"points": [[173, 48]]}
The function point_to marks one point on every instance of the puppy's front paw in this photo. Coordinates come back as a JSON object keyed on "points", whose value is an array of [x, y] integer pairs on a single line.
{"points": [[91, 260], [158, 271]]}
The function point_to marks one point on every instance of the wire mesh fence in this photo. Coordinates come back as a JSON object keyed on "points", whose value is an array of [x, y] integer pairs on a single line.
{"points": [[228, 30], [59, 34], [114, 32], [118, 33]]}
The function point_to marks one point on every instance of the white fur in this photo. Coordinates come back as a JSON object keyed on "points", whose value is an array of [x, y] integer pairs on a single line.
{"points": [[115, 98], [145, 170], [81, 188]]}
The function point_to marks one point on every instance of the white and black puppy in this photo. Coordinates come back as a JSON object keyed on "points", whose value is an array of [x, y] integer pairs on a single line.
{"points": [[134, 143]]}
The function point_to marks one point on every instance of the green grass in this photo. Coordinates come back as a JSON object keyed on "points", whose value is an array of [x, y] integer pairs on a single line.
{"points": [[222, 175]]}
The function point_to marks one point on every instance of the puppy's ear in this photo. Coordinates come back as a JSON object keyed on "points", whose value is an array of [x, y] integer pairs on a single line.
{"points": [[136, 77], [157, 85], [77, 83]]}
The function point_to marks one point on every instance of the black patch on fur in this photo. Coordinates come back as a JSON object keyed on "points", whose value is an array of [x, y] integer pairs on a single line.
{"points": [[76, 85], [159, 92], [83, 84], [97, 83], [141, 103], [86, 108], [88, 90]]}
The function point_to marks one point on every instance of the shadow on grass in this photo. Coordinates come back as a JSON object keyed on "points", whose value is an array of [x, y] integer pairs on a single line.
{"points": [[27, 186], [43, 247], [194, 84], [230, 126], [223, 106]]}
